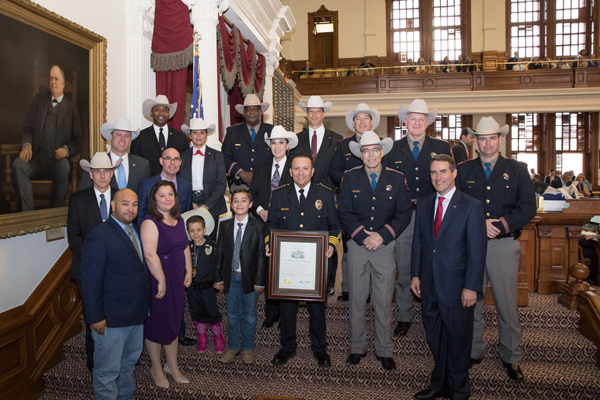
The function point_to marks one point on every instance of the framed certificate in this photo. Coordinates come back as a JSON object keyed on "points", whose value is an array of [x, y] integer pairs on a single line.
{"points": [[298, 267]]}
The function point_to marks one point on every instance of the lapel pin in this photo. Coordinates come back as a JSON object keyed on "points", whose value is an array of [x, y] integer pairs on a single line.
{"points": [[505, 176]]}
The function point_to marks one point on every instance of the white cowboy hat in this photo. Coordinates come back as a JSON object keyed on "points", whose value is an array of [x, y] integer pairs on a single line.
{"points": [[251, 100], [209, 222], [279, 132], [100, 160], [362, 108], [160, 100], [197, 124], [316, 102], [369, 138], [122, 124], [417, 106], [489, 126]]}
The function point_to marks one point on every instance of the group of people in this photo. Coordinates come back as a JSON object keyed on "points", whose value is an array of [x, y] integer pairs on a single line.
{"points": [[401, 207], [556, 180], [445, 66], [582, 60]]}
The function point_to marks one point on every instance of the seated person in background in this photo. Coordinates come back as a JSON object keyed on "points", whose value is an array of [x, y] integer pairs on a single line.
{"points": [[512, 61], [582, 188], [444, 63], [591, 63], [567, 179], [520, 66], [566, 64], [547, 64], [409, 64], [421, 66], [534, 63], [307, 70], [459, 62], [471, 65], [367, 64]]}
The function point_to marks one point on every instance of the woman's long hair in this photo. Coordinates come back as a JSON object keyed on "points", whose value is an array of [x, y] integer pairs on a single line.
{"points": [[153, 209]]}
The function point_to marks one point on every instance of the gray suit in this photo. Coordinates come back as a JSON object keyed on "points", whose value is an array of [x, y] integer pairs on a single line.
{"points": [[139, 171]]}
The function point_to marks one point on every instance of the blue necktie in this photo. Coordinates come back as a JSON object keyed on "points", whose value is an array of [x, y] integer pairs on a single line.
{"points": [[373, 181], [103, 209], [416, 150], [488, 170], [121, 181], [253, 135]]}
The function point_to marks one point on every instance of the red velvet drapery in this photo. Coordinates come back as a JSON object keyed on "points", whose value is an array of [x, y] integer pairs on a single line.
{"points": [[172, 52]]}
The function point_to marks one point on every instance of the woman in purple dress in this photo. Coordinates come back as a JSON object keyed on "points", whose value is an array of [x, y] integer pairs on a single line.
{"points": [[165, 244]]}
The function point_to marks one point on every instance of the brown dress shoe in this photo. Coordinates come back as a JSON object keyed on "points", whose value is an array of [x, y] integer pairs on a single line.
{"points": [[248, 357], [229, 356]]}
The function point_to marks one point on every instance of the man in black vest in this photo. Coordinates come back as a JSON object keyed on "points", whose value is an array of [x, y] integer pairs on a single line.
{"points": [[51, 135]]}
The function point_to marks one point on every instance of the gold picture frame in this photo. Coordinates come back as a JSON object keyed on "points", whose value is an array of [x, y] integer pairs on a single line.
{"points": [[40, 18]]}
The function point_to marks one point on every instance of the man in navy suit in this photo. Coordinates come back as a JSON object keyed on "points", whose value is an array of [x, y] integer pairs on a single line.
{"points": [[171, 163], [448, 256], [156, 138], [51, 135], [133, 169], [117, 297]]}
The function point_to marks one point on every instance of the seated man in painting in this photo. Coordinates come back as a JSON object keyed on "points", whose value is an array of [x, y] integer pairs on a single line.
{"points": [[51, 135]]}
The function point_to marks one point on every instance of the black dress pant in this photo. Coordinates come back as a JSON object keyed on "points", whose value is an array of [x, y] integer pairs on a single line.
{"points": [[317, 327]]}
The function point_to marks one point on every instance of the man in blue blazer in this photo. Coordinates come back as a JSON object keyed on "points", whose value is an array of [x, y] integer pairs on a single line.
{"points": [[171, 163], [117, 297], [447, 261]]}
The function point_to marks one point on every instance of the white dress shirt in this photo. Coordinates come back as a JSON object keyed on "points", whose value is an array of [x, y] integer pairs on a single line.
{"points": [[447, 197], [165, 132], [125, 163], [306, 189], [198, 168], [281, 166], [320, 135], [106, 197]]}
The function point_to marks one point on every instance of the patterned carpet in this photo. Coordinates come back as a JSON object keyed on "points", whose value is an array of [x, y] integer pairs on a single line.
{"points": [[558, 363]]}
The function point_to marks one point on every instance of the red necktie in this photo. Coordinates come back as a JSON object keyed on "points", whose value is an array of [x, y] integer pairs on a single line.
{"points": [[198, 152], [438, 217], [313, 145]]}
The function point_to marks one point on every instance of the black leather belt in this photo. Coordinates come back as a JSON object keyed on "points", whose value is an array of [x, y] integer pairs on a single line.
{"points": [[201, 285], [515, 235], [197, 193]]}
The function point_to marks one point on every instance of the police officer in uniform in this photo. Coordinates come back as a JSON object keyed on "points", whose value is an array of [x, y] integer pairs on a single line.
{"points": [[359, 120], [303, 206], [411, 155], [504, 187], [375, 207]]}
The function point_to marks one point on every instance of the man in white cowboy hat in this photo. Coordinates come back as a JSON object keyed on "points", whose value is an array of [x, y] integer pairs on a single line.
{"points": [[88, 208], [320, 144], [244, 146], [133, 169], [205, 168], [411, 155], [51, 136], [504, 187], [268, 176], [374, 206], [156, 138], [358, 120]]}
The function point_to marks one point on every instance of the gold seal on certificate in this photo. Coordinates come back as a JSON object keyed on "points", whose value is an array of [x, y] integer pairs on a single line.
{"points": [[298, 264]]}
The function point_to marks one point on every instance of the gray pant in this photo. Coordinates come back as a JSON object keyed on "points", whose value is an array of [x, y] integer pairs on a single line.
{"points": [[41, 168], [378, 267], [501, 270], [404, 297], [345, 272]]}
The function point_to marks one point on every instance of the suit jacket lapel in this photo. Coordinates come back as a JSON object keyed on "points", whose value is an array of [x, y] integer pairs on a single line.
{"points": [[451, 211], [62, 111], [95, 207], [365, 181], [208, 164], [498, 168], [430, 207], [325, 144], [478, 166], [425, 149], [406, 150], [123, 237], [293, 197]]}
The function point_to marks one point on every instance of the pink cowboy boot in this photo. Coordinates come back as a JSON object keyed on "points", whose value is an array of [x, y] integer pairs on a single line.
{"points": [[201, 330], [218, 337]]}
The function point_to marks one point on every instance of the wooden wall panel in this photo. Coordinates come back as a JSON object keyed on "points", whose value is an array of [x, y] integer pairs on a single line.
{"points": [[31, 335]]}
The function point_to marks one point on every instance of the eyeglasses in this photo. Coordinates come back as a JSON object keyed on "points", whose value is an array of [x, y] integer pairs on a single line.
{"points": [[370, 151], [174, 159]]}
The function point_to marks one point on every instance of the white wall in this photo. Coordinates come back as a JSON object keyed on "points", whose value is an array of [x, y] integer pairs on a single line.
{"points": [[31, 253]]}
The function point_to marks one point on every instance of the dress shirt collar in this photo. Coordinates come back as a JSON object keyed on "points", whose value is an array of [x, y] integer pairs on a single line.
{"points": [[306, 189], [202, 149], [58, 99], [256, 128], [236, 222]]}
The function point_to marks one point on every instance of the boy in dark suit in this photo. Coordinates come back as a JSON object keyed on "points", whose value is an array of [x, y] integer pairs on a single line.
{"points": [[240, 270], [448, 257]]}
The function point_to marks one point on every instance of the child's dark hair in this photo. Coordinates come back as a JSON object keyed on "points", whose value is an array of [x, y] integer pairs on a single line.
{"points": [[242, 190], [195, 219]]}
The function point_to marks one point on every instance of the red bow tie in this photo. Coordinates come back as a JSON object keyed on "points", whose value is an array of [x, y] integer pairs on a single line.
{"points": [[198, 152]]}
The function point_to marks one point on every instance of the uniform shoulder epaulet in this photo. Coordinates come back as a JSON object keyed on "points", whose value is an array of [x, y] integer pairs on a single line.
{"points": [[323, 186], [393, 170], [282, 186], [354, 169], [347, 138]]}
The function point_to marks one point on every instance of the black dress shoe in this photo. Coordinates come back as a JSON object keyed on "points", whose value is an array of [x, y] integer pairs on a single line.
{"points": [[282, 357], [185, 341], [401, 329], [330, 290], [323, 359], [387, 363], [354, 358], [475, 361], [429, 394], [343, 297], [269, 321], [514, 371]]}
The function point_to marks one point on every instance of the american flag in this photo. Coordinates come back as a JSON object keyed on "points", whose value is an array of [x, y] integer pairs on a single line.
{"points": [[197, 110]]}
